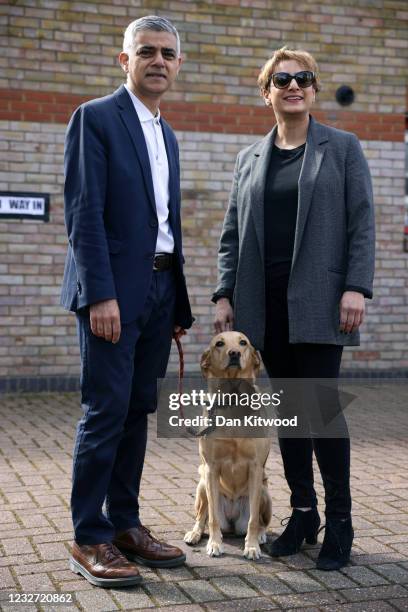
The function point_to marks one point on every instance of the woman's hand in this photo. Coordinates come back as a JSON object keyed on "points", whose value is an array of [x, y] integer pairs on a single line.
{"points": [[224, 316], [352, 309]]}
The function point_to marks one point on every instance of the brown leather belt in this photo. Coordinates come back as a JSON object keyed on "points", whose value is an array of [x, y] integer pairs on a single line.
{"points": [[163, 261]]}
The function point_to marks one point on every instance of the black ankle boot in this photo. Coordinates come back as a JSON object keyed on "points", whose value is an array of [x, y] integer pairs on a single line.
{"points": [[301, 526], [336, 547]]}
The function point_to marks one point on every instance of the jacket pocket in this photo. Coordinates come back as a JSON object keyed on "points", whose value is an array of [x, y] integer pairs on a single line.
{"points": [[337, 270]]}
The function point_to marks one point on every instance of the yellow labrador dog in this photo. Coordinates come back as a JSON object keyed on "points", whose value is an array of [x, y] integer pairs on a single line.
{"points": [[232, 493]]}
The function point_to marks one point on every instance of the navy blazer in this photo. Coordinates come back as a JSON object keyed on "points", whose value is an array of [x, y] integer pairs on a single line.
{"points": [[110, 210]]}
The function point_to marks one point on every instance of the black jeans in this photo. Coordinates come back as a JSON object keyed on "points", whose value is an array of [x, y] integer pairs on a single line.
{"points": [[284, 360]]}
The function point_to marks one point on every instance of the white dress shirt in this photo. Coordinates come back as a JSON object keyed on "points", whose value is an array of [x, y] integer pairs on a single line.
{"points": [[159, 167]]}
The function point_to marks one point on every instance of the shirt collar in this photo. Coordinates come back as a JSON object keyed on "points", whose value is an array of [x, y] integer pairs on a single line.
{"points": [[143, 112]]}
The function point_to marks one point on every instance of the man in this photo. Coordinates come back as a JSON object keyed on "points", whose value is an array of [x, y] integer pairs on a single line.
{"points": [[124, 279]]}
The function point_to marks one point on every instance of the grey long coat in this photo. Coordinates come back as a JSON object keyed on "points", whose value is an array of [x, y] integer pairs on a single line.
{"points": [[334, 238]]}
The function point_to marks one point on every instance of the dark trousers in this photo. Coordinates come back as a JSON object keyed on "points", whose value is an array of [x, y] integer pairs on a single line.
{"points": [[119, 390], [284, 360]]}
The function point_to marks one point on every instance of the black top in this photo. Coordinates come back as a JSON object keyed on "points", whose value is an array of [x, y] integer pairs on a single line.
{"points": [[280, 208]]}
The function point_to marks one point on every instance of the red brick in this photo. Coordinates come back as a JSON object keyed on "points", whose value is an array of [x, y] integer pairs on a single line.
{"points": [[366, 355], [224, 119], [41, 117], [41, 96], [179, 107], [25, 106], [9, 94], [10, 116]]}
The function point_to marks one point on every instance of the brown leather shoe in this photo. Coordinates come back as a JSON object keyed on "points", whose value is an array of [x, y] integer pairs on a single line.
{"points": [[139, 545], [103, 565]]}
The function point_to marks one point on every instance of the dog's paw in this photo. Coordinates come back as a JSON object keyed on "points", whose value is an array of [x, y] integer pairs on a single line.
{"points": [[262, 538], [192, 537], [214, 549], [252, 552]]}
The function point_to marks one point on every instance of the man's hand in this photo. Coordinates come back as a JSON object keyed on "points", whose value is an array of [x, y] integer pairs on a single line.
{"points": [[224, 316], [105, 320], [178, 332], [352, 309]]}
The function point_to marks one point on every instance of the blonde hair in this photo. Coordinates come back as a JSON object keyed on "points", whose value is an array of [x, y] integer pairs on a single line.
{"points": [[303, 58]]}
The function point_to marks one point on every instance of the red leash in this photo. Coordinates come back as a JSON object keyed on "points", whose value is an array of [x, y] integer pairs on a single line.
{"points": [[193, 432], [181, 368]]}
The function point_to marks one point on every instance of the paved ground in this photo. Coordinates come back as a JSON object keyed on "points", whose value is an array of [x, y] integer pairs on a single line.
{"points": [[35, 532]]}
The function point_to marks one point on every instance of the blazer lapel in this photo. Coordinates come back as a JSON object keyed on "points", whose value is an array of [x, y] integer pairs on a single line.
{"points": [[172, 172], [316, 143], [259, 170], [132, 123]]}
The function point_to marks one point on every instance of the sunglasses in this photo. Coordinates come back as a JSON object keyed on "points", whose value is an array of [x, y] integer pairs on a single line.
{"points": [[304, 79]]}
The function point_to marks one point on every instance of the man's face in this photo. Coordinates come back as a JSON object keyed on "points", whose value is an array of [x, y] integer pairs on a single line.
{"points": [[152, 65]]}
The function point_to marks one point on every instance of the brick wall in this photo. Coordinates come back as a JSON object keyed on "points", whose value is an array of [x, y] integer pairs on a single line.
{"points": [[58, 54]]}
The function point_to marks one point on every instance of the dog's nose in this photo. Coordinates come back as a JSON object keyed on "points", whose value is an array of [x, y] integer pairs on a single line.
{"points": [[234, 353]]}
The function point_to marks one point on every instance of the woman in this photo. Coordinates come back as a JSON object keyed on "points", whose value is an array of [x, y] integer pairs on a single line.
{"points": [[296, 261]]}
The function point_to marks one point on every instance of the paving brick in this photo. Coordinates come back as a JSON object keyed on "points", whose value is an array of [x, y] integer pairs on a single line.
{"points": [[233, 586], [243, 605], [165, 594], [400, 604], [184, 608], [268, 585], [76, 586], [52, 536], [34, 520], [175, 574], [332, 580], [49, 552], [301, 561], [18, 560], [299, 581], [364, 576], [306, 600], [17, 546], [388, 592], [362, 606], [212, 571], [97, 600], [201, 591], [6, 579], [6, 517], [21, 607], [392, 572], [392, 557], [31, 583], [131, 598]]}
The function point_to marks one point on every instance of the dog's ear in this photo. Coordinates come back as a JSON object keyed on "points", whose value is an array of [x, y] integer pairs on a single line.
{"points": [[256, 361], [205, 361]]}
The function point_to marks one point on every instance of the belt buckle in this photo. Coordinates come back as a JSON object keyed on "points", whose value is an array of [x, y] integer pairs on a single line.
{"points": [[158, 259], [162, 261]]}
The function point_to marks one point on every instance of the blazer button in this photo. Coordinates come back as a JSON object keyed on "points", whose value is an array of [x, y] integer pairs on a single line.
{"points": [[79, 288], [153, 223]]}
